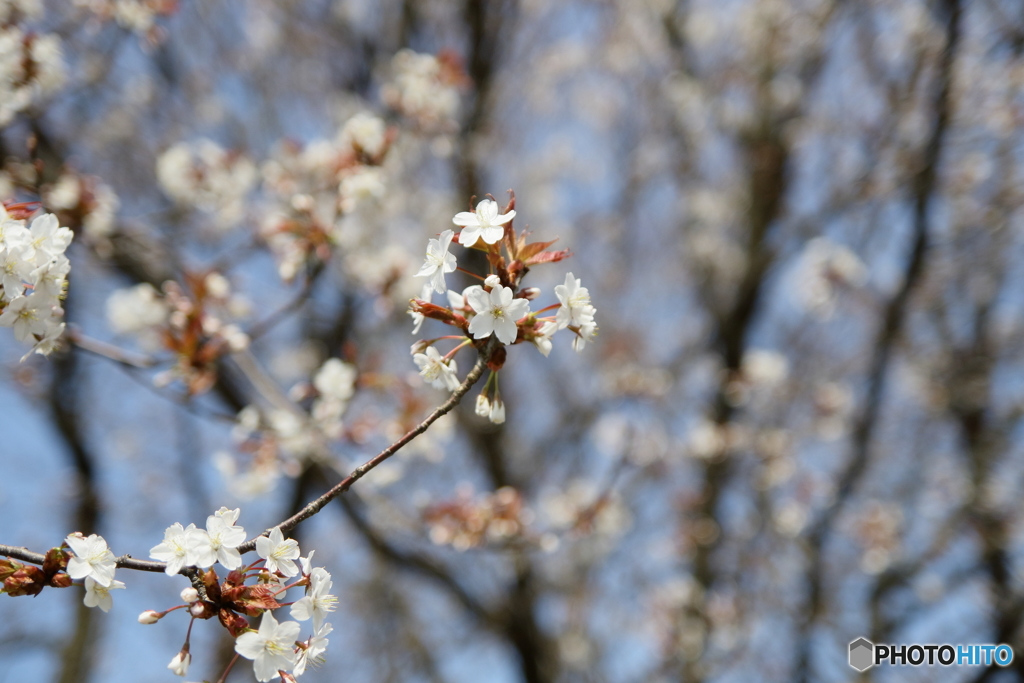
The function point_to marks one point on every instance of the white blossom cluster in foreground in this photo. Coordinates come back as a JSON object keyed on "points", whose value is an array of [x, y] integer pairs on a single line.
{"points": [[258, 589], [33, 273], [497, 308]]}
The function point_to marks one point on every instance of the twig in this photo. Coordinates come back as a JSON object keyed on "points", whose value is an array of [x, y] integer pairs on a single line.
{"points": [[128, 562], [361, 471], [118, 355]]}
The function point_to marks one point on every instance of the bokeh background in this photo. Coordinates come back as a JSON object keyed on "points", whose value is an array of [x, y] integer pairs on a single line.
{"points": [[800, 222]]}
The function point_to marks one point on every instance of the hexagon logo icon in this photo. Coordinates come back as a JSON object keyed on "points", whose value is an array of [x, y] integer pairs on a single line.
{"points": [[862, 654]]}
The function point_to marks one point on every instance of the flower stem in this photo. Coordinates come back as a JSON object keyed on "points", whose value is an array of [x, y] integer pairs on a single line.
{"points": [[451, 354], [224, 676]]}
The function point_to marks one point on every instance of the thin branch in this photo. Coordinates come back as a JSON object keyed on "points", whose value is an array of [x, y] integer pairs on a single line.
{"points": [[128, 562], [109, 351], [361, 471]]}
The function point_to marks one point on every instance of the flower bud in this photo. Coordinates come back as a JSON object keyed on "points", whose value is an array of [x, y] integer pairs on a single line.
{"points": [[529, 293], [483, 405], [189, 595], [149, 617], [492, 281], [179, 665], [497, 414], [197, 609]]}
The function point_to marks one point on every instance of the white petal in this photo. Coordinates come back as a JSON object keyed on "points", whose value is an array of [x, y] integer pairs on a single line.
{"points": [[464, 218], [481, 326]]}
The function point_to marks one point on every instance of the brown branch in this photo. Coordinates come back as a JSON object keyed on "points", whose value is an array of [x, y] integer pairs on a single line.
{"points": [[361, 471], [128, 562], [109, 351]]}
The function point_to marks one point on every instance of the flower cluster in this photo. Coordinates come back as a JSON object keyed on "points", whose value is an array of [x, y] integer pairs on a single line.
{"points": [[467, 522], [33, 273], [255, 590], [426, 88], [496, 313], [313, 186], [187, 320], [31, 65], [193, 547], [207, 177]]}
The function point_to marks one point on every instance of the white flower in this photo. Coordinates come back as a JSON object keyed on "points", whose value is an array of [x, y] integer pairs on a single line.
{"points": [[336, 379], [575, 308], [497, 312], [438, 261], [92, 558], [485, 223], [28, 315], [365, 131], [48, 278], [314, 650], [135, 309], [318, 600], [366, 183], [179, 665], [16, 267], [49, 342], [183, 547], [437, 371], [99, 596], [278, 552], [225, 537], [543, 338], [271, 648], [48, 237]]}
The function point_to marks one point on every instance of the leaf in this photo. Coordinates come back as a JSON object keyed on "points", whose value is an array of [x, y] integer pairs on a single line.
{"points": [[255, 599], [530, 250], [549, 257]]}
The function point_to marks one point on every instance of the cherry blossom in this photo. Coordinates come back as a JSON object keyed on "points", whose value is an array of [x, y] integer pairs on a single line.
{"points": [[485, 223], [272, 648], [183, 547], [278, 552], [318, 602], [225, 536], [436, 370], [438, 261], [99, 596], [575, 300], [496, 311], [92, 558], [314, 650]]}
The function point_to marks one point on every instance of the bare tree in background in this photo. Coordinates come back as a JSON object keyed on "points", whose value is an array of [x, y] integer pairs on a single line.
{"points": [[800, 225]]}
